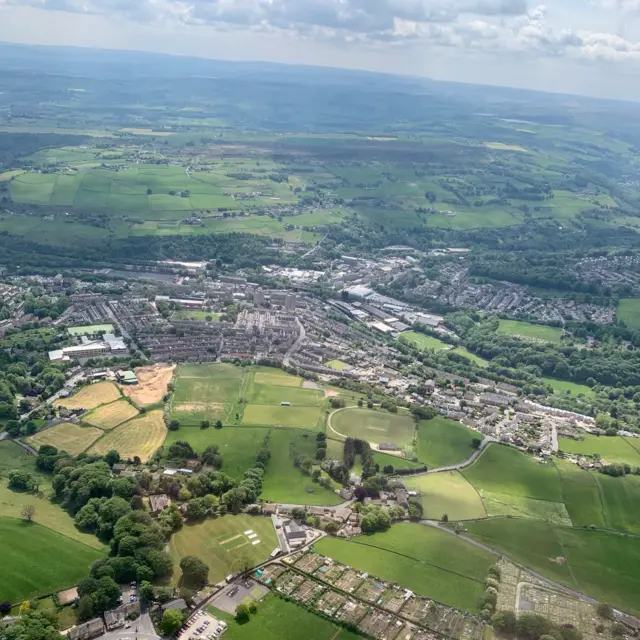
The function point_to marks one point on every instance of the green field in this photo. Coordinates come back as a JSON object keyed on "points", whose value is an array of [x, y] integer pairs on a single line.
{"points": [[373, 426], [605, 566], [504, 470], [514, 506], [564, 386], [285, 483], [90, 329], [191, 314], [14, 457], [238, 445], [462, 351], [427, 561], [446, 492], [621, 499], [338, 365], [37, 560], [581, 495], [421, 341], [628, 311], [613, 449], [278, 619], [277, 416], [222, 544], [532, 331], [443, 442]]}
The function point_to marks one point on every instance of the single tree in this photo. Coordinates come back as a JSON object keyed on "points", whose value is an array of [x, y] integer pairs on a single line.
{"points": [[172, 620], [28, 512], [195, 573], [242, 614]]}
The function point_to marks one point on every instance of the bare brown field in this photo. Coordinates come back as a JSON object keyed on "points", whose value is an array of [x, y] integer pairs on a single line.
{"points": [[152, 384], [68, 437], [91, 396], [140, 437], [109, 416]]}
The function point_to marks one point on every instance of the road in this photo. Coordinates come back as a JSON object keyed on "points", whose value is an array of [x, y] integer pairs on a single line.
{"points": [[295, 345], [71, 382], [314, 248]]}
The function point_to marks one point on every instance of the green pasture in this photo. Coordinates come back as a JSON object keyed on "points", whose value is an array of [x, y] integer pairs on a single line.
{"points": [[565, 386], [514, 506], [223, 544], [443, 442], [13, 458], [462, 351], [582, 495], [430, 562], [37, 560], [613, 449], [502, 469], [621, 499], [446, 492], [376, 426], [285, 483], [421, 341], [605, 566], [531, 331]]}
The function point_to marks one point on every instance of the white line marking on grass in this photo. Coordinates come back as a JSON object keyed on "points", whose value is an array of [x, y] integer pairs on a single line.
{"points": [[248, 531], [256, 542], [251, 536]]}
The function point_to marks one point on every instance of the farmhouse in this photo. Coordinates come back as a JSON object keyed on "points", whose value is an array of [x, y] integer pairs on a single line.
{"points": [[116, 617], [88, 630], [158, 503]]}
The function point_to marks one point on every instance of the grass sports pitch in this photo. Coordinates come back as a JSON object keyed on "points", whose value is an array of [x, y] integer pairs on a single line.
{"points": [[531, 331], [421, 341], [374, 426], [228, 544], [443, 442]]}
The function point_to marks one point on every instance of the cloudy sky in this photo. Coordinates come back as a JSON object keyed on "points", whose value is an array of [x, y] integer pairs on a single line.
{"points": [[579, 46]]}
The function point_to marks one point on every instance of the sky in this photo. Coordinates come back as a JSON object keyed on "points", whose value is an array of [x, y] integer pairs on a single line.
{"points": [[589, 47]]}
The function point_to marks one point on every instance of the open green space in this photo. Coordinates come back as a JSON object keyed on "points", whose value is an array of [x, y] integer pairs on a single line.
{"points": [[428, 561], [277, 619], [377, 426], [613, 449], [621, 499], [281, 416], [284, 482], [276, 394], [338, 365], [465, 353], [91, 329], [446, 492], [628, 311], [605, 566], [192, 314], [421, 341], [443, 442], [565, 386], [37, 560], [514, 506], [502, 469], [531, 331], [223, 544], [582, 495], [13, 457]]}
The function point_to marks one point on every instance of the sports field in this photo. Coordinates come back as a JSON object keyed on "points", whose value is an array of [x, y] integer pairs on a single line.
{"points": [[91, 396], [443, 442], [421, 341], [192, 314], [531, 331], [68, 437], [277, 416], [447, 492], [111, 415], [462, 351], [504, 470], [338, 365], [373, 426], [285, 483], [628, 311], [37, 560], [565, 386], [427, 561], [613, 449], [90, 329], [140, 437], [581, 495], [226, 544], [605, 566]]}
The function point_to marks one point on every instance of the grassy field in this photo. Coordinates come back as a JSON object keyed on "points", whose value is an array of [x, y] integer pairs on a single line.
{"points": [[564, 386], [37, 560], [581, 495], [514, 506], [272, 394], [462, 351], [504, 470], [283, 482], [374, 426], [223, 544], [277, 619], [238, 445], [447, 492], [532, 331], [276, 377], [621, 498], [14, 457], [140, 437], [277, 416], [91, 396], [421, 341], [190, 314], [613, 449], [338, 365], [605, 566], [67, 437], [628, 311], [90, 329], [109, 416], [443, 442], [430, 562]]}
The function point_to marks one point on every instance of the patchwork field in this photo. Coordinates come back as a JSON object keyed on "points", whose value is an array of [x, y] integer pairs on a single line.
{"points": [[531, 331], [421, 341], [140, 437], [443, 442], [224, 544], [447, 492], [628, 311], [613, 449], [91, 396], [37, 560], [285, 483], [152, 384], [373, 426], [111, 415], [430, 562], [504, 470], [581, 495], [67, 437], [605, 566]]}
